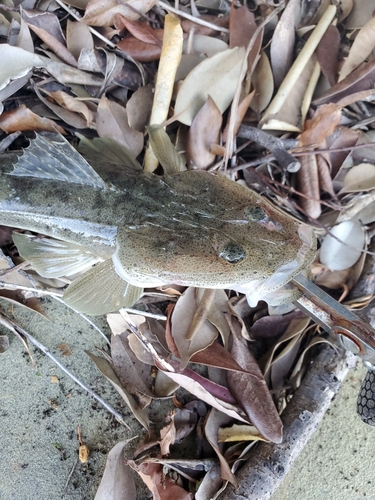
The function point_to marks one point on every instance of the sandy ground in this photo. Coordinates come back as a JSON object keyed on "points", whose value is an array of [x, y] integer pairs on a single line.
{"points": [[39, 446]]}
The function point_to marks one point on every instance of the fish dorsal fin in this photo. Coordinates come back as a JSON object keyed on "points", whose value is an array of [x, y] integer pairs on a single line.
{"points": [[101, 291], [54, 158], [54, 258]]}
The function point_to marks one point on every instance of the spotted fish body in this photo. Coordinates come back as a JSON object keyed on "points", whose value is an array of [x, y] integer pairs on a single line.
{"points": [[190, 228]]}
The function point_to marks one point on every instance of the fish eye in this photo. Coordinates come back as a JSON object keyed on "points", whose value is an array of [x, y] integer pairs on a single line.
{"points": [[232, 253], [255, 214]]}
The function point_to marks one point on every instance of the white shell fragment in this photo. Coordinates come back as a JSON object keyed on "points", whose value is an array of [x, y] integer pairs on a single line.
{"points": [[343, 252]]}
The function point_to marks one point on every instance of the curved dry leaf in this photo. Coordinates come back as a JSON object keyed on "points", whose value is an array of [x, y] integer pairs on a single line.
{"points": [[133, 374], [140, 30], [78, 37], [139, 106], [327, 53], [212, 426], [239, 432], [16, 63], [103, 12], [196, 387], [117, 482], [262, 80], [361, 12], [182, 317], [104, 366], [343, 246], [162, 486], [295, 328], [112, 121], [282, 43], [359, 178], [22, 118], [216, 76], [360, 50], [252, 394], [204, 131], [203, 46], [308, 184], [71, 104]]}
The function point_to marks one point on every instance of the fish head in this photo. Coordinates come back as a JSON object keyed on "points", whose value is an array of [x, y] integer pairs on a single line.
{"points": [[215, 233]]}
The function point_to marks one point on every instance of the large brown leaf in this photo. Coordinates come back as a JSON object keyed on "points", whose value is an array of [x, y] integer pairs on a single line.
{"points": [[252, 394]]}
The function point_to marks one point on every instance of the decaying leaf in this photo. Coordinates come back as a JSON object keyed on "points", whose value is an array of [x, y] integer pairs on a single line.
{"points": [[362, 46], [204, 131], [117, 482], [22, 118], [104, 366], [112, 121], [161, 485], [216, 76], [251, 392]]}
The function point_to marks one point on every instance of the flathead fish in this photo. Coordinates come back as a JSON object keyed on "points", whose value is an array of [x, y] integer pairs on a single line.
{"points": [[128, 229]]}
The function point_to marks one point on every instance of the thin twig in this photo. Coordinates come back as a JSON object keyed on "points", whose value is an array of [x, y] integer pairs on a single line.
{"points": [[48, 353], [69, 477], [196, 20]]}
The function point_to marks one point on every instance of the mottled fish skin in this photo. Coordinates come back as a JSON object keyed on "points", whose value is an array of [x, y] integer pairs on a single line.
{"points": [[192, 228]]}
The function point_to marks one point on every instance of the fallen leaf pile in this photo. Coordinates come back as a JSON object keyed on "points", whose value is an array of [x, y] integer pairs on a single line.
{"points": [[278, 96]]}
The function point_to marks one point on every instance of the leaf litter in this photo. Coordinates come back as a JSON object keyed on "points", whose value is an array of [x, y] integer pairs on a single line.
{"points": [[278, 98]]}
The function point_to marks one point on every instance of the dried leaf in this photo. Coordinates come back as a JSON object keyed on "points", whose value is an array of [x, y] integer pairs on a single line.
{"points": [[204, 131], [203, 46], [282, 43], [343, 246], [65, 349], [140, 30], [117, 482], [242, 27], [238, 432], [216, 355], [252, 394], [112, 121], [103, 12], [262, 80], [104, 366], [78, 37], [182, 317], [167, 437], [68, 109], [327, 53], [46, 25], [139, 106], [359, 178], [216, 76], [213, 394], [213, 423], [22, 118], [360, 50], [360, 79], [308, 184], [16, 63], [160, 484]]}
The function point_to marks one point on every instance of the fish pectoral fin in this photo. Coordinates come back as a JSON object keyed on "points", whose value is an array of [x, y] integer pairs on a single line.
{"points": [[54, 258], [106, 150], [100, 291], [54, 158], [164, 150]]}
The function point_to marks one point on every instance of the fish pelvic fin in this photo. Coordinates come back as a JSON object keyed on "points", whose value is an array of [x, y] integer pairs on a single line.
{"points": [[54, 258], [101, 291], [55, 159]]}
